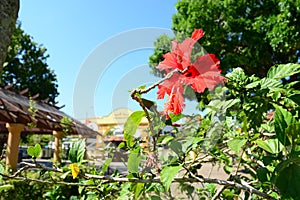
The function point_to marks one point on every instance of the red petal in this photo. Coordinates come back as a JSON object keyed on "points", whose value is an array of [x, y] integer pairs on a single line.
{"points": [[167, 86], [197, 34], [175, 104], [208, 70], [170, 62]]}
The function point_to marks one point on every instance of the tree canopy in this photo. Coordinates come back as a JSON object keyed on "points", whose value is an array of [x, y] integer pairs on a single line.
{"points": [[253, 35], [26, 67]]}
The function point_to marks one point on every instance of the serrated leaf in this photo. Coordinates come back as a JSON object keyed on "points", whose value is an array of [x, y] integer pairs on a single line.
{"points": [[252, 85], [77, 151], [236, 144], [133, 162], [167, 175], [34, 151], [283, 70], [271, 145], [74, 169], [271, 84], [131, 126]]}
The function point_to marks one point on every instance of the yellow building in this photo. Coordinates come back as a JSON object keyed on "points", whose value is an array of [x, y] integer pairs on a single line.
{"points": [[111, 130]]}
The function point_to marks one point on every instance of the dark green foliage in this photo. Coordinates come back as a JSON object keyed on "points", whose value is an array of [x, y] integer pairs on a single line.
{"points": [[253, 35], [26, 67]]}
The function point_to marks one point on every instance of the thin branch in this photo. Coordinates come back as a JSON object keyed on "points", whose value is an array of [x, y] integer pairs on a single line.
{"points": [[39, 166], [233, 184], [108, 179], [46, 182], [168, 76]]}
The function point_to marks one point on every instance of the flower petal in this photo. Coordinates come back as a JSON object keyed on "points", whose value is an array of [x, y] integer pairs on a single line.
{"points": [[197, 34], [175, 104]]}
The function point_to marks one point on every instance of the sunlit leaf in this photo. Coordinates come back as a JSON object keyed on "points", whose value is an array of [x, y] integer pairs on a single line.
{"points": [[271, 145], [167, 139], [34, 151], [131, 126], [236, 144], [133, 162], [167, 175], [6, 187], [137, 188], [106, 164], [283, 70], [77, 151]]}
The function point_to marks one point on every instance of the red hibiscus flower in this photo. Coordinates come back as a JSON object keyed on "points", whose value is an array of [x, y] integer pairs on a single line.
{"points": [[203, 73]]}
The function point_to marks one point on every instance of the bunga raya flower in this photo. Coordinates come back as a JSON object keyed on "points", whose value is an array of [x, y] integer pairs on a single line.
{"points": [[203, 73]]}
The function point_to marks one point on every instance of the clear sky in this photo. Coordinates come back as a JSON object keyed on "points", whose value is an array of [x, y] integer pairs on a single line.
{"points": [[98, 49]]}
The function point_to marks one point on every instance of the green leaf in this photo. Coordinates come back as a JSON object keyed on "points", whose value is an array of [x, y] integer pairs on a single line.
{"points": [[236, 144], [271, 145], [121, 145], [64, 175], [1, 171], [176, 147], [131, 126], [295, 98], [288, 181], [263, 174], [34, 151], [133, 162], [154, 198], [175, 118], [252, 85], [282, 119], [167, 175], [283, 70], [106, 164], [6, 187], [167, 139], [293, 133], [271, 84], [77, 151], [137, 188], [211, 187]]}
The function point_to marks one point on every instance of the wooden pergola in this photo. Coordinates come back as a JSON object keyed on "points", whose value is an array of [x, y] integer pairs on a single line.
{"points": [[18, 111]]}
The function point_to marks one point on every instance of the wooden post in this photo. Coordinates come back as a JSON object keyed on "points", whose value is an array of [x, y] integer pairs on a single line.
{"points": [[13, 141], [57, 136]]}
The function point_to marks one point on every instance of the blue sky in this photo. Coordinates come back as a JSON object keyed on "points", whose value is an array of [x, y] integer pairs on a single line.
{"points": [[72, 30]]}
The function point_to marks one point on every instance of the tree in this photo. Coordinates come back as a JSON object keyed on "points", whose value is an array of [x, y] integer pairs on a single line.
{"points": [[26, 67], [8, 16], [253, 35]]}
